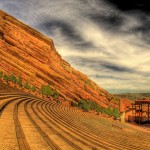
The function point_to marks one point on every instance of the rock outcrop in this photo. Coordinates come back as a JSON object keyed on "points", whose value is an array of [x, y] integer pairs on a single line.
{"points": [[26, 52]]}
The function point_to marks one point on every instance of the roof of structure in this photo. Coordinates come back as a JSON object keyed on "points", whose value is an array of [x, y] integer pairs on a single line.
{"points": [[142, 101]]}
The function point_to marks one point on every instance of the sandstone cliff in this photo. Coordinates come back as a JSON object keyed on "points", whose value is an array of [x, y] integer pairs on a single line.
{"points": [[28, 53]]}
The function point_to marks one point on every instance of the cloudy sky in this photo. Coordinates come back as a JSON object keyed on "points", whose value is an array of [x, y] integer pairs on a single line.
{"points": [[106, 39]]}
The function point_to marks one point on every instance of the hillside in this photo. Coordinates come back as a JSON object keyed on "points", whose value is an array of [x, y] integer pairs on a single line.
{"points": [[27, 53], [5, 88]]}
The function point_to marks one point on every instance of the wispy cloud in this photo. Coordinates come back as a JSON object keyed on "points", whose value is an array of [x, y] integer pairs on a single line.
{"points": [[106, 40]]}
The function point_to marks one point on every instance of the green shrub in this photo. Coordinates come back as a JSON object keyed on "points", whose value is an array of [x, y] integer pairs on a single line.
{"points": [[27, 86], [33, 88], [115, 113], [19, 81], [87, 82], [45, 90], [89, 105], [1, 74], [112, 112], [6, 78], [108, 111], [86, 108], [73, 104], [55, 94], [83, 105], [99, 109], [13, 79], [92, 105]]}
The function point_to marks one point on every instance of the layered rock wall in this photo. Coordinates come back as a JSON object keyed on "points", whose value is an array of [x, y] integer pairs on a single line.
{"points": [[28, 53]]}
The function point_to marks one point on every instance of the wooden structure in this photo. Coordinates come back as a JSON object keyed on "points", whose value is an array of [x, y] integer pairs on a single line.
{"points": [[140, 107]]}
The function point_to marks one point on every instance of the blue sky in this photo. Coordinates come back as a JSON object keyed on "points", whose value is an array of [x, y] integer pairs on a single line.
{"points": [[107, 40]]}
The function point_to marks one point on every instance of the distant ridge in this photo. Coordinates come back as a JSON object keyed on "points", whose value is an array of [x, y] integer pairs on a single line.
{"points": [[28, 53], [134, 96]]}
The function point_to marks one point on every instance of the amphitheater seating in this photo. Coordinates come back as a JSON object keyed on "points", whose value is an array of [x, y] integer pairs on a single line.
{"points": [[27, 122]]}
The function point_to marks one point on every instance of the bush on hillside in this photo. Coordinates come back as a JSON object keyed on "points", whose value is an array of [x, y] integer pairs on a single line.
{"points": [[13, 79], [1, 74], [115, 113], [19, 81], [33, 88], [47, 91], [83, 105], [90, 105], [44, 90], [55, 94], [98, 109], [6, 78], [73, 104], [112, 112], [27, 86]]}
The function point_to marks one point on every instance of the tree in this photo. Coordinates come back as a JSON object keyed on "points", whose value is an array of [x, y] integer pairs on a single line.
{"points": [[45, 90], [42, 89], [33, 88], [6, 78], [92, 105], [27, 86], [48, 90], [1, 74], [115, 113], [54, 93], [73, 104], [98, 108], [19, 81], [86, 108], [83, 105], [13, 79], [107, 111]]}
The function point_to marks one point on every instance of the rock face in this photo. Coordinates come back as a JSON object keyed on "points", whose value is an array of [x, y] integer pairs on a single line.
{"points": [[28, 53], [125, 104]]}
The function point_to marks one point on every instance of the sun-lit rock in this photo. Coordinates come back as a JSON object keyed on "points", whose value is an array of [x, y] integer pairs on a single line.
{"points": [[26, 52]]}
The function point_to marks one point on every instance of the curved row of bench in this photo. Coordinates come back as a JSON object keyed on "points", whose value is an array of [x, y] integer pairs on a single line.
{"points": [[27, 122]]}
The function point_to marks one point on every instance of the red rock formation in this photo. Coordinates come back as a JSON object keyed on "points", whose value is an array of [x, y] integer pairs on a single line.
{"points": [[28, 53], [125, 104]]}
